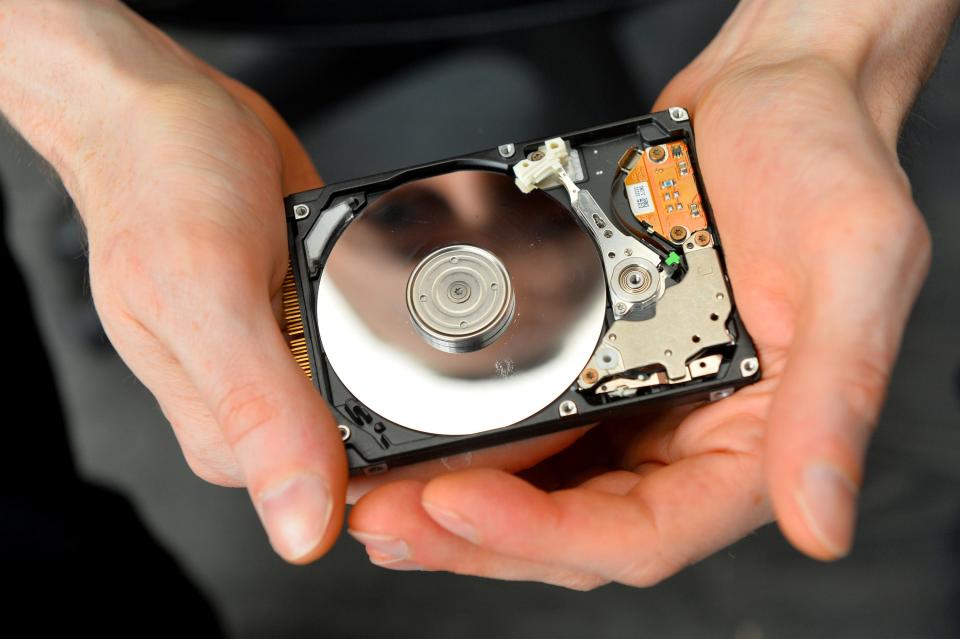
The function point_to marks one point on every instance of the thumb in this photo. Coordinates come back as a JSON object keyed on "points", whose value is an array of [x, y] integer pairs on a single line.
{"points": [[281, 432], [832, 389]]}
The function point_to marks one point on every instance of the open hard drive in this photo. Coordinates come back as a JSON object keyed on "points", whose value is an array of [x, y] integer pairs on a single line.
{"points": [[513, 292]]}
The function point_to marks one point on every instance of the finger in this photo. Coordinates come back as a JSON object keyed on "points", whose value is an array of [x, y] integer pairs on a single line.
{"points": [[671, 517], [511, 458], [398, 534], [834, 383], [204, 447], [279, 429], [622, 443], [202, 443]]}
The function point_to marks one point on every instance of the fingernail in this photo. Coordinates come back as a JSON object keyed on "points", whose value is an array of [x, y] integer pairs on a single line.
{"points": [[387, 561], [389, 547], [296, 514], [828, 500], [451, 521]]}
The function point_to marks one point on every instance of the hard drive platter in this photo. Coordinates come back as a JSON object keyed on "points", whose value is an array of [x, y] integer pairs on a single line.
{"points": [[480, 245]]}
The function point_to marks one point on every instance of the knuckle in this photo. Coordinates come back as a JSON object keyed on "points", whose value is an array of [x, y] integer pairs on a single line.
{"points": [[920, 240], [212, 474], [203, 447], [243, 410], [582, 583], [124, 274], [649, 572], [156, 278], [863, 387], [114, 261]]}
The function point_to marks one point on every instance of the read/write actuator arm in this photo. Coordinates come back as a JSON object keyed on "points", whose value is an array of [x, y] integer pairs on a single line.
{"points": [[689, 317]]}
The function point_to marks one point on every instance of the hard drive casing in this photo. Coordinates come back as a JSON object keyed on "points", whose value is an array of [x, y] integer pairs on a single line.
{"points": [[374, 444]]}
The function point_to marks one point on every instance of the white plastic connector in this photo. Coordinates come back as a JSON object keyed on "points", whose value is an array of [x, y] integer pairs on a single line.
{"points": [[530, 173]]}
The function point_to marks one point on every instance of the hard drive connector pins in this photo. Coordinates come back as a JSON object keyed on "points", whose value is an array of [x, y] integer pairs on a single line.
{"points": [[293, 323]]}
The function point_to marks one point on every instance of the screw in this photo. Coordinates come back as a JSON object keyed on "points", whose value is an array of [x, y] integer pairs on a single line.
{"points": [[657, 154], [678, 234], [536, 156], [749, 366], [679, 114], [300, 211], [590, 375], [567, 408], [344, 432], [506, 150], [621, 308], [702, 238], [721, 394]]}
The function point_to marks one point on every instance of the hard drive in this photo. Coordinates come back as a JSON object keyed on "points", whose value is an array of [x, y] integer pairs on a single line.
{"points": [[513, 292]]}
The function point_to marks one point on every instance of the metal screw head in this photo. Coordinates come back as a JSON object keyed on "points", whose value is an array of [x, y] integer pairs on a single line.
{"points": [[590, 376], [567, 408], [657, 154], [506, 150], [536, 156], [702, 238], [344, 432], [749, 366], [723, 393], [301, 211], [621, 307], [678, 233], [679, 114]]}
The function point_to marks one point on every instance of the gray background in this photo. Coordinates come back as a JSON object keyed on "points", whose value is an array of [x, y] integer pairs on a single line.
{"points": [[902, 578]]}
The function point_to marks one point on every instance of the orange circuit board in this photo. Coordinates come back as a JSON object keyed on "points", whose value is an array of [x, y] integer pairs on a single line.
{"points": [[662, 191]]}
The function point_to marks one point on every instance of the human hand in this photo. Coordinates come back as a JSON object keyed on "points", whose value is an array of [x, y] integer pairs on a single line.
{"points": [[178, 173], [797, 112]]}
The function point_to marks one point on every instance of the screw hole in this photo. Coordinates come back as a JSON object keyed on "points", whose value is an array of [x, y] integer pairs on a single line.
{"points": [[696, 339], [714, 317]]}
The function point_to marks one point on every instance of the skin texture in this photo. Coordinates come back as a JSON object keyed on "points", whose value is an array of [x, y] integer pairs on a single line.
{"points": [[179, 172]]}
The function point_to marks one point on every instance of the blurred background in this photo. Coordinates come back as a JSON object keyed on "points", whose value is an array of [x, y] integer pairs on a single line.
{"points": [[374, 90]]}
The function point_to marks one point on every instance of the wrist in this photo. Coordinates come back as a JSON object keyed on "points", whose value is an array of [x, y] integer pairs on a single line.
{"points": [[69, 71], [884, 50]]}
